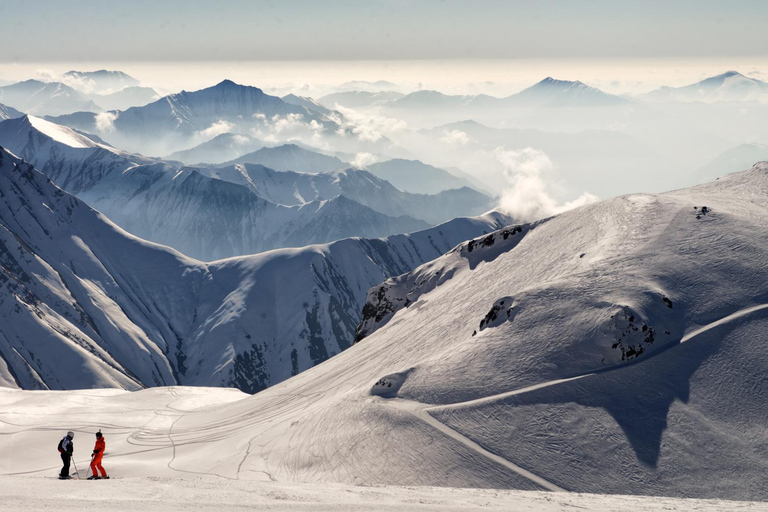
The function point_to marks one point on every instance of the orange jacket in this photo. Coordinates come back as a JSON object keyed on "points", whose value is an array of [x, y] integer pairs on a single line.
{"points": [[100, 446]]}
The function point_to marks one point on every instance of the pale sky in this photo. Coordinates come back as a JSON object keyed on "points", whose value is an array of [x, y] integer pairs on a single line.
{"points": [[292, 30]]}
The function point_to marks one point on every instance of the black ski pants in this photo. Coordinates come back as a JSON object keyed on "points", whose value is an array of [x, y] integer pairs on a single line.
{"points": [[66, 459]]}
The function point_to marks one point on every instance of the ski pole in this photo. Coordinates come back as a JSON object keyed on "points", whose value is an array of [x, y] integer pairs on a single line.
{"points": [[75, 464]]}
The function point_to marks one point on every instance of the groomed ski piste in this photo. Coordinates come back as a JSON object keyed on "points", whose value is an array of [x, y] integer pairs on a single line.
{"points": [[146, 477], [616, 349]]}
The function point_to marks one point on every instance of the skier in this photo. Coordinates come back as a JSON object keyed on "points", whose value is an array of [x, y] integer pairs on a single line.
{"points": [[96, 456], [66, 448]]}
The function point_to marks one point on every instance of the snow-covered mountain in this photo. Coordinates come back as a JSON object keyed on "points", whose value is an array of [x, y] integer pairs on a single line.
{"points": [[84, 304], [222, 148], [200, 216], [46, 98], [616, 347], [417, 177], [728, 86], [551, 92], [102, 81], [7, 112], [172, 122], [290, 157], [293, 188]]}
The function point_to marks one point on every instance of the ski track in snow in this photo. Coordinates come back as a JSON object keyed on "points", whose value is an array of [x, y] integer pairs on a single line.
{"points": [[422, 411]]}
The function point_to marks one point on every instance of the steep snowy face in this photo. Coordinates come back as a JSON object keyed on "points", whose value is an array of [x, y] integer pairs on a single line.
{"points": [[74, 161], [7, 112], [84, 305], [616, 347], [68, 321]]}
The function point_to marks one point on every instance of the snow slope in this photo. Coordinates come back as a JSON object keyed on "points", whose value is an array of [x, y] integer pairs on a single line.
{"points": [[513, 361], [31, 419], [84, 304], [613, 348]]}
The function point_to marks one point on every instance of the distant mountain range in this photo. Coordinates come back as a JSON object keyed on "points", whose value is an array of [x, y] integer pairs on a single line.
{"points": [[548, 93], [76, 291], [125, 98], [240, 209], [99, 82], [204, 217], [742, 156], [45, 98], [295, 189], [359, 99], [728, 86], [290, 157], [308, 103], [222, 148], [171, 121], [418, 177]]}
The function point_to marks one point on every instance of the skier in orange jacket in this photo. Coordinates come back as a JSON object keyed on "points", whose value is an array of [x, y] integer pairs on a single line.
{"points": [[98, 453]]}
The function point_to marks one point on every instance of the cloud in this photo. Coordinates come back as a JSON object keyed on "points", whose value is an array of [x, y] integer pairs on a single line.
{"points": [[455, 138], [363, 160], [81, 83], [527, 197], [367, 126], [289, 127], [105, 121], [45, 74], [216, 128]]}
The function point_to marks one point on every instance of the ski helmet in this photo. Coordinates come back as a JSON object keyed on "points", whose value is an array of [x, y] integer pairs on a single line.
{"points": [[70, 434], [98, 434]]}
